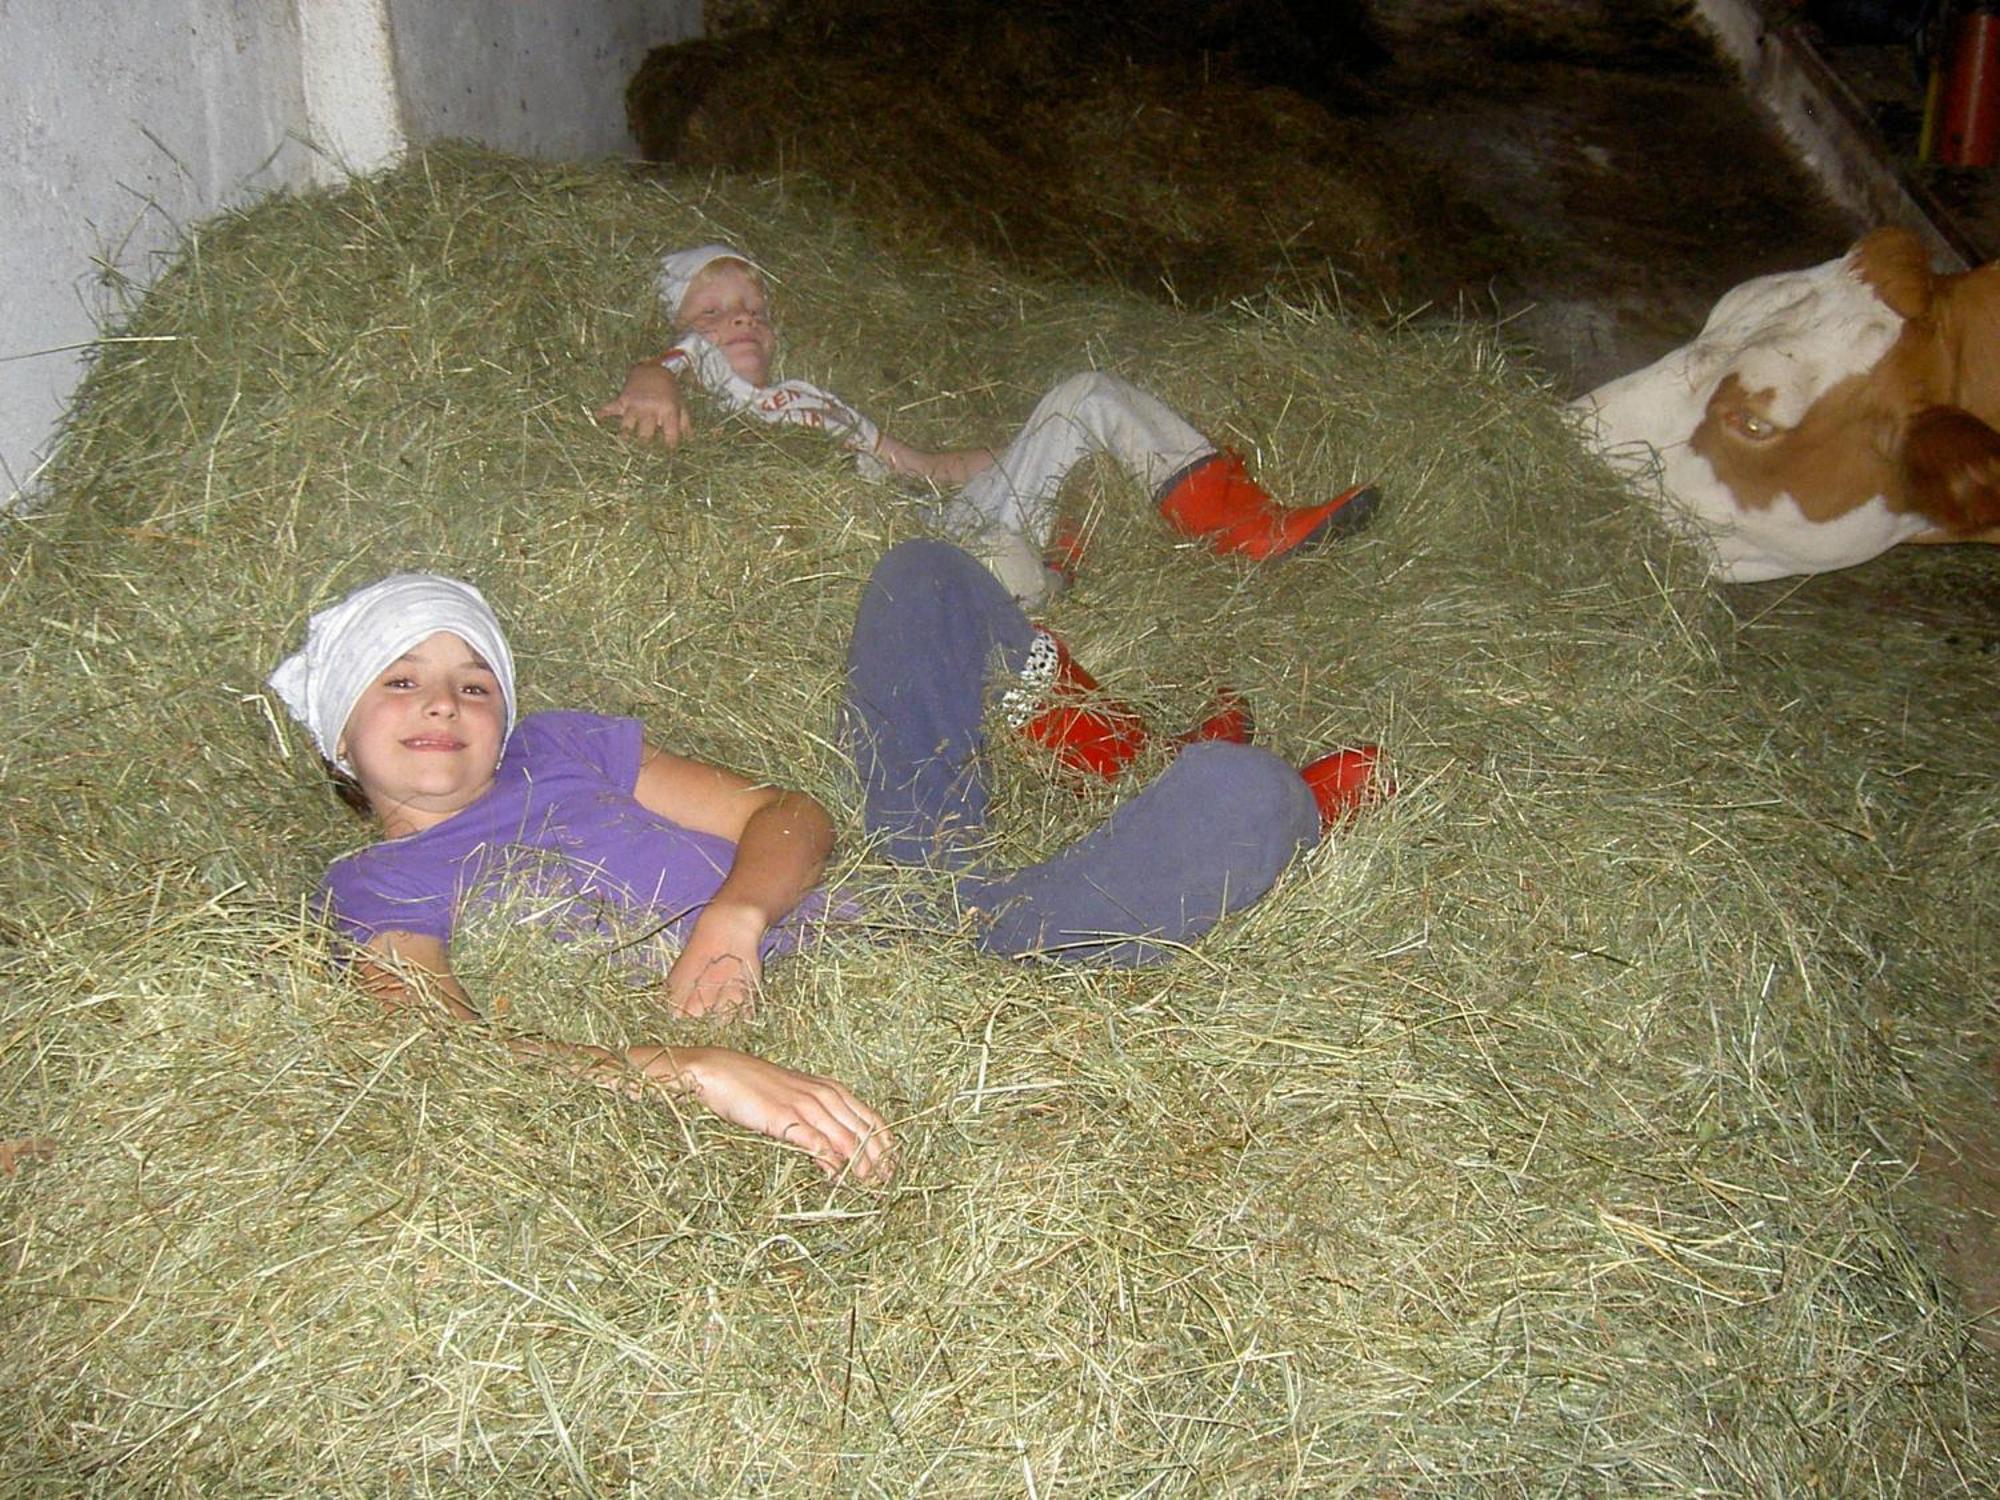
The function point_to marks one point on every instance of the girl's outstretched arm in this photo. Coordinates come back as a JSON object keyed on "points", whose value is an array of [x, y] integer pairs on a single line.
{"points": [[782, 841], [819, 1116]]}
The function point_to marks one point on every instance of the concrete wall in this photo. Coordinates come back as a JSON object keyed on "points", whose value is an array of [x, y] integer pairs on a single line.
{"points": [[541, 77], [125, 122]]}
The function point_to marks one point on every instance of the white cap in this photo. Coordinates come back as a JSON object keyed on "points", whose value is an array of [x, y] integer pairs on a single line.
{"points": [[350, 643], [679, 268]]}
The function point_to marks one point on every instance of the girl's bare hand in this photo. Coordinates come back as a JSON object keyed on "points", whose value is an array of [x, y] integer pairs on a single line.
{"points": [[816, 1115]]}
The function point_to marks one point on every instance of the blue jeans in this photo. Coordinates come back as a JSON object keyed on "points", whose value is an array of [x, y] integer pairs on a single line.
{"points": [[1208, 837]]}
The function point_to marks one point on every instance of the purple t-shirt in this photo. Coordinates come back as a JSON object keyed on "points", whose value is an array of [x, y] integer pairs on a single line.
{"points": [[560, 827]]}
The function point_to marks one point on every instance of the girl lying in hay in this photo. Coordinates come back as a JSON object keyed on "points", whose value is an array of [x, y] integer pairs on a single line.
{"points": [[1003, 506], [407, 688]]}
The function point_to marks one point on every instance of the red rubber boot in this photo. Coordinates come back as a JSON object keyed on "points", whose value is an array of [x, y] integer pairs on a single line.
{"points": [[1219, 501], [1066, 549], [1056, 706], [1347, 783], [1229, 718]]}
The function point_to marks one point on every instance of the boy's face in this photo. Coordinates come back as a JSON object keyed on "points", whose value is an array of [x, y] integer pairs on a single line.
{"points": [[425, 737], [726, 305]]}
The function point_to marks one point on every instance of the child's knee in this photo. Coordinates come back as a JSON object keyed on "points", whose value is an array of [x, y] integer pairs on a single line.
{"points": [[918, 574], [1248, 788], [1209, 837], [927, 597], [1087, 387], [917, 561]]}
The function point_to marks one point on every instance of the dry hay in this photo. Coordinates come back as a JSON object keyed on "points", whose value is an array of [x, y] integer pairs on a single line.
{"points": [[1201, 150], [1549, 1131], [1197, 149]]}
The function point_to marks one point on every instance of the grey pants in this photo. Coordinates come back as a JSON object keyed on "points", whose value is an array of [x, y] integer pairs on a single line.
{"points": [[1208, 837]]}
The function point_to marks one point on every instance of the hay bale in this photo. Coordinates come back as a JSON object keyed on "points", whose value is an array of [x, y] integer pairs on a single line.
{"points": [[1074, 144], [1550, 1131]]}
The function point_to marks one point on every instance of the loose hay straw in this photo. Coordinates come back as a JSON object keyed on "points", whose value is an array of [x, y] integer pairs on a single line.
{"points": [[1548, 1131]]}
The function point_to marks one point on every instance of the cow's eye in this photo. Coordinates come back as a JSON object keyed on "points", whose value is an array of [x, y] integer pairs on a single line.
{"points": [[1747, 424]]}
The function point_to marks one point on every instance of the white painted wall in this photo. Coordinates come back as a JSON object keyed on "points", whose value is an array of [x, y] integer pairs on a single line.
{"points": [[121, 121], [541, 77]]}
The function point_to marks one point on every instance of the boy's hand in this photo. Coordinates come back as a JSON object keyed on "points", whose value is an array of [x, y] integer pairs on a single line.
{"points": [[946, 470], [650, 406], [802, 1110], [719, 970]]}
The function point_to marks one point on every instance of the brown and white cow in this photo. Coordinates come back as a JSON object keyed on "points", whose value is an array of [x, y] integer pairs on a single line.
{"points": [[1823, 416]]}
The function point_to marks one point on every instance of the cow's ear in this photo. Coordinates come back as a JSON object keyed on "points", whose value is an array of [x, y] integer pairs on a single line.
{"points": [[1895, 263], [1951, 462]]}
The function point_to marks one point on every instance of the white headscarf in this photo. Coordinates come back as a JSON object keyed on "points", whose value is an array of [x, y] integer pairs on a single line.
{"points": [[349, 644], [679, 268]]}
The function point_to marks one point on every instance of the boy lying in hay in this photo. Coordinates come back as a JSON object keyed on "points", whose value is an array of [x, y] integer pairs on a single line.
{"points": [[1003, 507], [407, 688]]}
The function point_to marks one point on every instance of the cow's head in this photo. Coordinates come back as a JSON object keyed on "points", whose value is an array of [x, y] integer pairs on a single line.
{"points": [[1823, 416]]}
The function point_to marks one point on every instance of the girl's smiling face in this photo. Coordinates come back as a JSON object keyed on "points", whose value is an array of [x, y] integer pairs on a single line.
{"points": [[726, 305], [425, 737]]}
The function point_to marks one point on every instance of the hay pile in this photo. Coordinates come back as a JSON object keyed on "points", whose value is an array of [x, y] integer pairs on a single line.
{"points": [[1072, 141], [1551, 1130]]}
